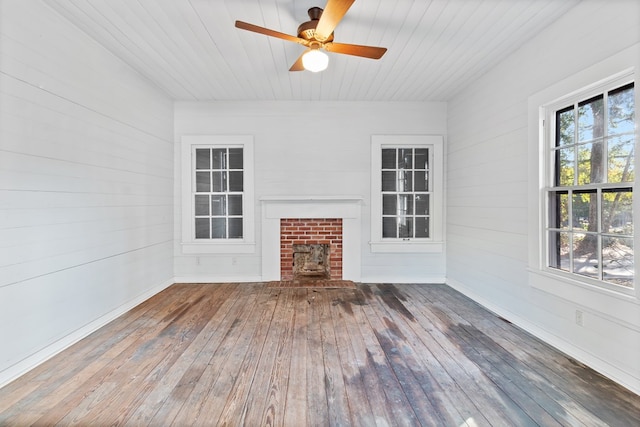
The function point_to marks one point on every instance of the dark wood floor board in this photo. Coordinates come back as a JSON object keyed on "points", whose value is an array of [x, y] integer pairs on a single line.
{"points": [[296, 391], [405, 335], [316, 395], [497, 407], [274, 363], [187, 369], [352, 363], [335, 388], [359, 334], [549, 370], [247, 354], [397, 402]]}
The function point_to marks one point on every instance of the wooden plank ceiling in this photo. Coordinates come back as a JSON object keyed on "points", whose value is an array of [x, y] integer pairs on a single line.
{"points": [[191, 49]]}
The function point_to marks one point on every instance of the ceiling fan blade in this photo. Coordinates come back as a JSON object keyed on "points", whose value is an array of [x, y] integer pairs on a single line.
{"points": [[356, 50], [333, 13], [268, 32], [297, 66]]}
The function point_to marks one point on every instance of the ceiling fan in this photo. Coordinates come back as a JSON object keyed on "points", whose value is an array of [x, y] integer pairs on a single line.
{"points": [[317, 34]]}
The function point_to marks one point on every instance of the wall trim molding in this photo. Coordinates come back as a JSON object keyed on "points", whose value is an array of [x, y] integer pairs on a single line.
{"points": [[610, 371], [25, 365]]}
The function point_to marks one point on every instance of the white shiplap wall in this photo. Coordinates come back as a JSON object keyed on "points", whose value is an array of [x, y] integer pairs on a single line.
{"points": [[309, 149], [491, 171], [86, 183]]}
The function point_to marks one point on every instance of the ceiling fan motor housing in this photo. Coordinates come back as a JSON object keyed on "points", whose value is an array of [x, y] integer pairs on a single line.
{"points": [[307, 30]]}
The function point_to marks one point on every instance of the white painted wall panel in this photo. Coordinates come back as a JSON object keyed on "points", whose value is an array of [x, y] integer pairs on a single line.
{"points": [[86, 185], [309, 149], [489, 177]]}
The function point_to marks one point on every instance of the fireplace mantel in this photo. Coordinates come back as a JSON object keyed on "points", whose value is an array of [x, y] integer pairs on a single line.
{"points": [[275, 208]]}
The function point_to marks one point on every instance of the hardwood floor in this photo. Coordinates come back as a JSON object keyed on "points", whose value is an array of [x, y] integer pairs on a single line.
{"points": [[378, 355]]}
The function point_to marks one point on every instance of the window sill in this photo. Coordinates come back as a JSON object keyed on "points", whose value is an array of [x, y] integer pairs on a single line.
{"points": [[407, 247], [218, 248], [552, 277]]}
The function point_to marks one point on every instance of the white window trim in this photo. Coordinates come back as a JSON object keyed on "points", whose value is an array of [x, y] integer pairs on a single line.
{"points": [[189, 244], [435, 243], [541, 107]]}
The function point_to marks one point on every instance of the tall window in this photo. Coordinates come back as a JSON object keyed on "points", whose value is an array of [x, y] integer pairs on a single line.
{"points": [[407, 193], [218, 195], [590, 191]]}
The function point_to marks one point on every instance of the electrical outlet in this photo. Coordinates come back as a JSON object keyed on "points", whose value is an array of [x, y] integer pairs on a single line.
{"points": [[579, 318]]}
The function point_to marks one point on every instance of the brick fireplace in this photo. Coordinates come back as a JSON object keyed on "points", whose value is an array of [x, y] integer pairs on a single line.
{"points": [[300, 236], [331, 220]]}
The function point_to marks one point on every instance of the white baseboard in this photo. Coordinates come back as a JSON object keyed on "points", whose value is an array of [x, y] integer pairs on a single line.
{"points": [[217, 279], [602, 366], [27, 364], [406, 281]]}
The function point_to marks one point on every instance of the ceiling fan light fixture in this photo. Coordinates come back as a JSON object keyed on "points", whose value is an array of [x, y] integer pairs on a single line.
{"points": [[314, 60]]}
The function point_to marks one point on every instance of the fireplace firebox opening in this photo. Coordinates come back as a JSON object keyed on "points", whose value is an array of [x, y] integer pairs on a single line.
{"points": [[311, 261]]}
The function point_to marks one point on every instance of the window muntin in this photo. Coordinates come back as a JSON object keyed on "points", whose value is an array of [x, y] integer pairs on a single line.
{"points": [[590, 222], [218, 185], [405, 193]]}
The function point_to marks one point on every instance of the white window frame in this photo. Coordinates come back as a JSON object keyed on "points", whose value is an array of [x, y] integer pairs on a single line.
{"points": [[547, 141], [434, 243], [189, 143]]}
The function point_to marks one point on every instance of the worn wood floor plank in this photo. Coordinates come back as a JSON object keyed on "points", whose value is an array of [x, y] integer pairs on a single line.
{"points": [[379, 355]]}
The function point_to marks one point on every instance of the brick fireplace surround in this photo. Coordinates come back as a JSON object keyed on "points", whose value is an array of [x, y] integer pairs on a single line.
{"points": [[309, 231], [326, 210]]}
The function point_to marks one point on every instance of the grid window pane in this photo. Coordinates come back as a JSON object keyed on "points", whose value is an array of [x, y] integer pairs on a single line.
{"points": [[218, 228], [235, 228], [422, 226], [405, 227], [389, 227], [591, 119], [236, 159], [203, 182], [406, 204], [566, 159], [218, 205], [617, 212], [235, 204], [621, 109], [422, 204], [219, 184], [421, 158], [388, 181], [235, 181], [203, 158], [620, 165], [617, 260], [388, 158], [421, 182], [405, 158], [202, 228], [219, 158], [584, 210], [389, 204], [565, 125], [202, 205]]}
